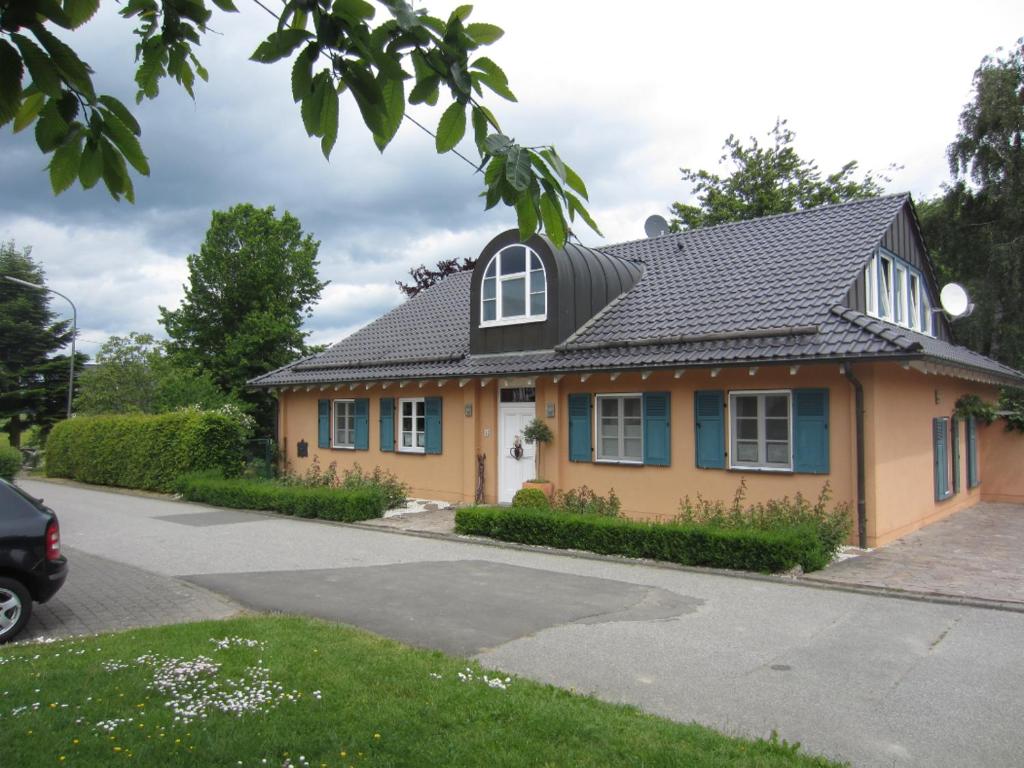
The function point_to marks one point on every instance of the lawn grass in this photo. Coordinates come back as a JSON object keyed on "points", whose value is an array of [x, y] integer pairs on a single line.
{"points": [[342, 697]]}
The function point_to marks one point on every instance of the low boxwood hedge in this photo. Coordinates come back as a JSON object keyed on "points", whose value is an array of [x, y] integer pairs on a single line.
{"points": [[10, 462], [685, 544], [145, 451], [299, 500]]}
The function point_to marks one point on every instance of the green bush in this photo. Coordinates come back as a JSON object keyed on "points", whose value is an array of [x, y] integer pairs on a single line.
{"points": [[831, 525], [395, 491], [583, 501], [10, 462], [686, 544], [145, 451], [534, 498], [326, 503]]}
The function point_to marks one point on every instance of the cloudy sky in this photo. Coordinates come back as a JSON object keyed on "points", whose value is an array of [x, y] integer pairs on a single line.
{"points": [[628, 97]]}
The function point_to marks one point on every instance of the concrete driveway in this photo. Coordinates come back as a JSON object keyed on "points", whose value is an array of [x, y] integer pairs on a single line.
{"points": [[869, 679], [977, 553]]}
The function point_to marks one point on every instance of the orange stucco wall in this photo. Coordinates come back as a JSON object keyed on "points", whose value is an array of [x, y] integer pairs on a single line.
{"points": [[900, 405], [1002, 463]]}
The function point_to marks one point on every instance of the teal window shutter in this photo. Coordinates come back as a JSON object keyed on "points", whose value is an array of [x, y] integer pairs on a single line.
{"points": [[387, 423], [810, 431], [657, 439], [579, 427], [432, 424], [939, 439], [709, 426], [955, 427], [323, 434], [362, 413], [972, 453]]}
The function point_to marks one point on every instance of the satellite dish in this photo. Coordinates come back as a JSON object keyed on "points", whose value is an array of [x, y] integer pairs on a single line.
{"points": [[656, 226], [955, 301]]}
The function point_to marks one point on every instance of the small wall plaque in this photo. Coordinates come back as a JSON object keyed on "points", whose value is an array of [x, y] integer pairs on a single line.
{"points": [[303, 449], [549, 410], [469, 409]]}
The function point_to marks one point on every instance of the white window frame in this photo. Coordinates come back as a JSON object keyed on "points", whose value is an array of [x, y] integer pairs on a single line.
{"points": [[412, 448], [350, 413], [500, 279], [905, 295], [761, 466], [599, 458]]}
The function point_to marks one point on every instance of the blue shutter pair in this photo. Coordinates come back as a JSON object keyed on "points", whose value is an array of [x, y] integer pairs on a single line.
{"points": [[362, 419], [972, 453], [810, 430], [657, 410]]}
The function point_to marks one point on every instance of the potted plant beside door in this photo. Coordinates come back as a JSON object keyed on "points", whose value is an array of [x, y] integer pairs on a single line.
{"points": [[538, 432]]}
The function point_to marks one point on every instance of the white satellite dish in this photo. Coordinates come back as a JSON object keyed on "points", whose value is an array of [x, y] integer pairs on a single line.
{"points": [[955, 301], [656, 226]]}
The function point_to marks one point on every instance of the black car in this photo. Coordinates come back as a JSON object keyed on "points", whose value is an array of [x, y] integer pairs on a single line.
{"points": [[32, 567]]}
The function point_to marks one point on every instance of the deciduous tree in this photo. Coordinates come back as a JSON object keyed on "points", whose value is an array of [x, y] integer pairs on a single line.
{"points": [[765, 180], [249, 289], [335, 48], [423, 276]]}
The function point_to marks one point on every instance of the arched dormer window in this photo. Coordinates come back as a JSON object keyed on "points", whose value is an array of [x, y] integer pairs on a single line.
{"points": [[514, 288]]}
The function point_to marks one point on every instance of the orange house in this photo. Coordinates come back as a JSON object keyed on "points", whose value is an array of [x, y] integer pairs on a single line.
{"points": [[787, 351]]}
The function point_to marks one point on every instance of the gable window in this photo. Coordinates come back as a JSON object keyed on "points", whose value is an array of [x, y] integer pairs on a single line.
{"points": [[760, 430], [896, 292], [344, 424], [514, 288], [620, 428], [412, 425]]}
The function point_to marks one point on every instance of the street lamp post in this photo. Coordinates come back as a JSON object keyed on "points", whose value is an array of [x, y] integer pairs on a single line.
{"points": [[74, 329]]}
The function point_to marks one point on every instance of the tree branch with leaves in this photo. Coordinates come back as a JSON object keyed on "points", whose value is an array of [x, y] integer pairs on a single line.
{"points": [[336, 49]]}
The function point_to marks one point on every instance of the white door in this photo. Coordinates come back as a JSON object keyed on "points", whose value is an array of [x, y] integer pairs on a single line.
{"points": [[512, 472]]}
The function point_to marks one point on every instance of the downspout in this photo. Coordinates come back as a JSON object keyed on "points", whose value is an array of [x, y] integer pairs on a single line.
{"points": [[862, 515]]}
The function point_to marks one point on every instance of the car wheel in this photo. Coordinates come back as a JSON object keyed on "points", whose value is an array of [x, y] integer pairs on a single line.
{"points": [[15, 608]]}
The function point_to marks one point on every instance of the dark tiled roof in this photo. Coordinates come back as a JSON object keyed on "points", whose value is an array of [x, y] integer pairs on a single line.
{"points": [[761, 291]]}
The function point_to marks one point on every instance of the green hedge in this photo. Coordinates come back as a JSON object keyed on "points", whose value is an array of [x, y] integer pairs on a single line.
{"points": [[145, 451], [10, 462], [686, 544], [299, 500]]}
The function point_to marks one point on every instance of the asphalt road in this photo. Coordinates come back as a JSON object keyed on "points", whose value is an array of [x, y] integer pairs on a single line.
{"points": [[873, 680]]}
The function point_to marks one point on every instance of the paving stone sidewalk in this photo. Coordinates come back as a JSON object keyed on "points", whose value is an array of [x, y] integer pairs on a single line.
{"points": [[977, 553], [101, 595]]}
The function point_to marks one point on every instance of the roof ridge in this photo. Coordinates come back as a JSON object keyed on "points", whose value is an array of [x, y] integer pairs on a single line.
{"points": [[771, 216]]}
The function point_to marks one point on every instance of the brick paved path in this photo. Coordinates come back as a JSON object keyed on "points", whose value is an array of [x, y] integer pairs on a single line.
{"points": [[101, 595], [976, 553]]}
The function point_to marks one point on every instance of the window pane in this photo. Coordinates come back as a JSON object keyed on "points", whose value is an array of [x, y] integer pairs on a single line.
{"points": [[776, 429], [419, 439], [536, 303], [746, 429], [513, 297], [407, 408], [419, 423], [406, 440], [407, 423], [746, 406], [491, 268], [534, 261], [610, 427], [513, 260], [632, 428], [490, 288], [631, 407], [610, 447], [632, 448], [778, 453], [746, 451], [609, 406], [776, 405], [490, 310], [536, 282]]}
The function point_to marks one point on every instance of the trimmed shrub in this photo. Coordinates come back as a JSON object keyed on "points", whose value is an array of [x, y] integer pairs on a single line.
{"points": [[395, 491], [10, 462], [534, 498], [326, 503], [583, 501], [685, 544], [145, 451]]}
